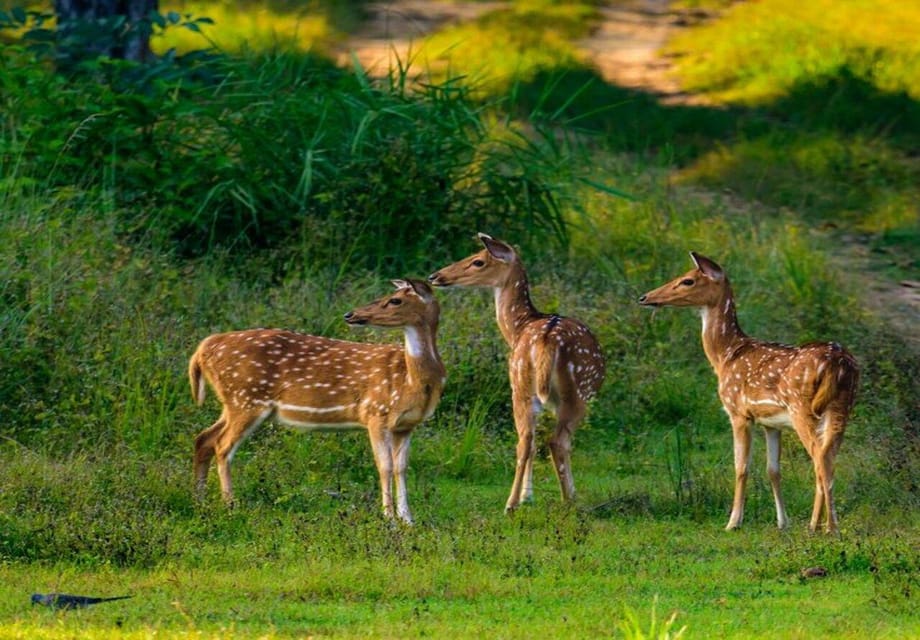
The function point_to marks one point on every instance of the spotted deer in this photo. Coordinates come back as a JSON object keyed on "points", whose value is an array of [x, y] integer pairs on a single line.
{"points": [[554, 363], [810, 388], [316, 383]]}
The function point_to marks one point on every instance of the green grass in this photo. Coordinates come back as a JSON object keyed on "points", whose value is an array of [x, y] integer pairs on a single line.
{"points": [[742, 61], [97, 495], [329, 566], [250, 25], [841, 100], [511, 44], [521, 577]]}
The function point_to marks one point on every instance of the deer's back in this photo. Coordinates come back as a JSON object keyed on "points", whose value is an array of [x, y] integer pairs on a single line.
{"points": [[759, 375], [560, 350], [262, 365]]}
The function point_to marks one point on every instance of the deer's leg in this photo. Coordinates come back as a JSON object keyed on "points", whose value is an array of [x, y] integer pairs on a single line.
{"points": [[826, 477], [527, 491], [238, 428], [809, 431], [205, 443], [400, 463], [825, 452], [525, 424], [774, 445], [741, 435], [382, 445], [560, 446]]}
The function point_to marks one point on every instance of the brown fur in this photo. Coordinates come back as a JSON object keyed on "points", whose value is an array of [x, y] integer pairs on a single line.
{"points": [[810, 388], [320, 383], [194, 376], [554, 360]]}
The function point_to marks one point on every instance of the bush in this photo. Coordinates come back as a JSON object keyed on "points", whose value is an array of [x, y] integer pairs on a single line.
{"points": [[280, 151]]}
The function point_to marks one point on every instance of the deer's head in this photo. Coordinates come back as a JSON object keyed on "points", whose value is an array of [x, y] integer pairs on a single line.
{"points": [[487, 268], [412, 304], [703, 286]]}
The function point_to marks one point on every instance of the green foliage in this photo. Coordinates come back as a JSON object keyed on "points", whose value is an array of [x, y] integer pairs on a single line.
{"points": [[254, 25], [88, 511], [280, 151]]}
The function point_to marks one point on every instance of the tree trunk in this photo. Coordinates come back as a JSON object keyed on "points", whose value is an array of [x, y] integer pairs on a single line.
{"points": [[91, 27]]}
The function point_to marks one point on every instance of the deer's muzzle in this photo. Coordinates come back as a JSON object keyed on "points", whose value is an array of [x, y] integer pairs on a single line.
{"points": [[438, 280]]}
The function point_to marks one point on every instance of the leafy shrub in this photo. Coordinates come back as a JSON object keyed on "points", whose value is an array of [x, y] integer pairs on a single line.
{"points": [[279, 150]]}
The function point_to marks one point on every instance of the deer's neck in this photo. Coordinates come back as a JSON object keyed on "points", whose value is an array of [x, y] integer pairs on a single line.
{"points": [[513, 307], [721, 332], [423, 362]]}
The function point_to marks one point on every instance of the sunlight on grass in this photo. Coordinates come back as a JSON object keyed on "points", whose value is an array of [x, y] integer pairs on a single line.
{"points": [[899, 211], [841, 180], [513, 44], [258, 26], [757, 51], [255, 25]]}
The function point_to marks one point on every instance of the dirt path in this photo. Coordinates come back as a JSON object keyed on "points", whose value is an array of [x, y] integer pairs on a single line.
{"points": [[896, 301], [394, 28], [625, 49]]}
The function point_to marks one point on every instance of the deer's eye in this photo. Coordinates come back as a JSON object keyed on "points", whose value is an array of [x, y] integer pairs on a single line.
{"points": [[687, 282], [479, 263], [394, 301]]}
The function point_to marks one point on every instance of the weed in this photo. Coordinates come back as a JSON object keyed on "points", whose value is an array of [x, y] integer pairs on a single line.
{"points": [[632, 628]]}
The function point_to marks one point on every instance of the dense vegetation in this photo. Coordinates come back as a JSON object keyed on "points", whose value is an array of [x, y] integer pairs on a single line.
{"points": [[142, 208]]}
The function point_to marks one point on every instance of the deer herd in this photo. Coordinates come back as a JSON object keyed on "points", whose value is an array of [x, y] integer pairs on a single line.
{"points": [[555, 363]]}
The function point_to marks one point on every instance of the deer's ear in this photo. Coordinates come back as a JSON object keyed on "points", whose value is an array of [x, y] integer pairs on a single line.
{"points": [[400, 284], [498, 249], [707, 266], [421, 288]]}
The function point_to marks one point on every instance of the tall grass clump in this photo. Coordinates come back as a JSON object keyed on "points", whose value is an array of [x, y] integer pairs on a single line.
{"points": [[280, 150], [632, 628]]}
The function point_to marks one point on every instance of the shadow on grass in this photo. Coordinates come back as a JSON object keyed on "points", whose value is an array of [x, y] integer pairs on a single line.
{"points": [[846, 102], [836, 149]]}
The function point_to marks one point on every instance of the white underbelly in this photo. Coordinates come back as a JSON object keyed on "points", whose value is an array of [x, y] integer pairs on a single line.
{"points": [[301, 425], [779, 420], [307, 418]]}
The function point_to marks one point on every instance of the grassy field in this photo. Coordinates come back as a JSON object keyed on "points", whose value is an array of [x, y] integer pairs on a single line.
{"points": [[140, 213]]}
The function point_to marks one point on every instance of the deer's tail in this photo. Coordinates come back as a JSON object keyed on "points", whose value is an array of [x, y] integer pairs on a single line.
{"points": [[837, 383], [196, 378], [545, 362]]}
